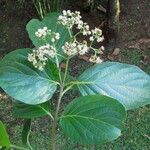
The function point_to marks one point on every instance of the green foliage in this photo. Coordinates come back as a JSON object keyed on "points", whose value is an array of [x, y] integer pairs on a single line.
{"points": [[126, 83], [93, 119], [22, 110], [4, 138], [23, 82], [26, 132]]}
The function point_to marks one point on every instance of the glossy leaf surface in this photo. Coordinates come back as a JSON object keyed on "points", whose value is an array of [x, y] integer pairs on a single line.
{"points": [[126, 83], [22, 110], [93, 119], [23, 82]]}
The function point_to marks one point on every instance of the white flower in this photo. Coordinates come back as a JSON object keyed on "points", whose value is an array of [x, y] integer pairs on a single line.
{"points": [[102, 48], [35, 60], [77, 13], [57, 36], [82, 48], [85, 29], [95, 59], [80, 24], [41, 33], [69, 19], [64, 12], [31, 57], [51, 52], [73, 19], [91, 38], [69, 13], [45, 29], [54, 36], [100, 39], [40, 67], [39, 56], [70, 48], [53, 40], [97, 34], [99, 60]]}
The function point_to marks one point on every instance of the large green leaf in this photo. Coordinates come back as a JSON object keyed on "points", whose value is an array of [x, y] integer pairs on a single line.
{"points": [[23, 82], [93, 119], [26, 131], [22, 110], [51, 22], [126, 83], [4, 138]]}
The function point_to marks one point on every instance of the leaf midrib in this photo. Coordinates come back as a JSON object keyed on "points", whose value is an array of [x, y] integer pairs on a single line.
{"points": [[84, 117], [125, 86], [34, 76]]}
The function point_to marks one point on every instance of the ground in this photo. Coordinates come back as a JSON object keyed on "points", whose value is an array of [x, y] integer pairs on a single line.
{"points": [[134, 42]]}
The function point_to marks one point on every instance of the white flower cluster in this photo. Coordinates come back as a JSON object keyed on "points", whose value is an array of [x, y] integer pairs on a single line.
{"points": [[39, 56], [75, 48], [82, 48], [97, 35], [95, 58], [55, 36], [43, 32], [84, 28], [69, 19], [71, 48]]}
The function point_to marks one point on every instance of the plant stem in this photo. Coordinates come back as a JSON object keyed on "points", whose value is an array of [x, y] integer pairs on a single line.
{"points": [[41, 10], [48, 113], [54, 124], [70, 32], [59, 69], [28, 141], [66, 70]]}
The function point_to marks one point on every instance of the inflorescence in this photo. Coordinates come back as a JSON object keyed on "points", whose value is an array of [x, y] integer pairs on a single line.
{"points": [[70, 20]]}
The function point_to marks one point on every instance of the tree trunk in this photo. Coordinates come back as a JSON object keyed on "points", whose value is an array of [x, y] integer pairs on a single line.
{"points": [[113, 12]]}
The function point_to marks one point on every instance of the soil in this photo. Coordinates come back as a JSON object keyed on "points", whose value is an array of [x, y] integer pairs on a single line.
{"points": [[14, 17], [135, 20]]}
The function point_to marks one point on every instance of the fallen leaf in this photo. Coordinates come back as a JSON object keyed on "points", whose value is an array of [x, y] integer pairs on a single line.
{"points": [[139, 44], [83, 57], [115, 55]]}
